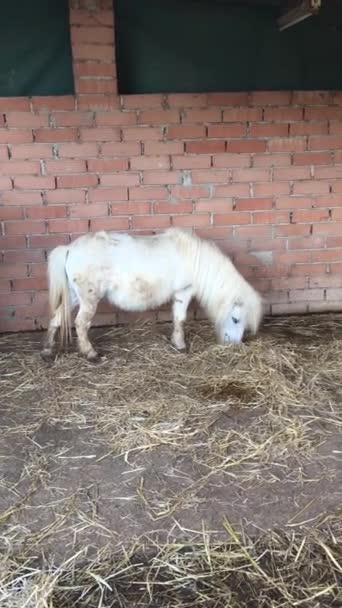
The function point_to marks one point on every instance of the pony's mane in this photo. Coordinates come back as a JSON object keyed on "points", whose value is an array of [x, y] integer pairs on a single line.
{"points": [[217, 283]]}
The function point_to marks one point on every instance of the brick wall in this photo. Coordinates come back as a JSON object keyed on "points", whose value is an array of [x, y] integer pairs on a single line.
{"points": [[261, 173]]}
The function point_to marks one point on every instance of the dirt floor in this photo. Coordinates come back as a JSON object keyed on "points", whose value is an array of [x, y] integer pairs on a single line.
{"points": [[170, 446]]}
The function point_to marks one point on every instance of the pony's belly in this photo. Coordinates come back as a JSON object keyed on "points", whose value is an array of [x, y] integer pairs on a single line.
{"points": [[139, 294]]}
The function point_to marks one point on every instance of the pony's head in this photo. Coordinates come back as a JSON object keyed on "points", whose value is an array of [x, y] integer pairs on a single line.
{"points": [[241, 316]]}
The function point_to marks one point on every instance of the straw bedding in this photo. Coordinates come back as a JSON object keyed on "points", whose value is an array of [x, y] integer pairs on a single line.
{"points": [[245, 419]]}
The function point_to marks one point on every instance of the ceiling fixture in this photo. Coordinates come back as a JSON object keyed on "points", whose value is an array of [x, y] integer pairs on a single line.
{"points": [[294, 15]]}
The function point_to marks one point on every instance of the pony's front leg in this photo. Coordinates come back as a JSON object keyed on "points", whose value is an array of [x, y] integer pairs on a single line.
{"points": [[181, 302], [83, 321]]}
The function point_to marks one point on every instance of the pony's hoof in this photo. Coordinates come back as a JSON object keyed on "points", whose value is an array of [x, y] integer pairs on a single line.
{"points": [[93, 357], [182, 350], [47, 355]]}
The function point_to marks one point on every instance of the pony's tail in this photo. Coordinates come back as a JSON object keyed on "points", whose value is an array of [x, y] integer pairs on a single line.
{"points": [[59, 291]]}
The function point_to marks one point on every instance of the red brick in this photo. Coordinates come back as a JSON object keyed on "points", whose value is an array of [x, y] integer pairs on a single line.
{"points": [[250, 175], [159, 117], [323, 113], [30, 284], [325, 280], [141, 163], [68, 225], [24, 227], [329, 200], [227, 131], [21, 197], [328, 228], [336, 186], [161, 148], [150, 221], [97, 102], [72, 119], [86, 17], [292, 173], [147, 193], [142, 101], [227, 99], [32, 151], [215, 233], [312, 98], [205, 147], [82, 150], [5, 183], [271, 160], [187, 100], [268, 130], [271, 189], [15, 299], [310, 187], [85, 180], [38, 270], [242, 114], [55, 135], [142, 133], [186, 132], [327, 255], [288, 144], [94, 52], [294, 202], [309, 128], [306, 295], [312, 215], [121, 149], [251, 204], [58, 167], [335, 127], [47, 103], [3, 153], [18, 104], [189, 192], [271, 98], [45, 212], [171, 208], [334, 241], [232, 160], [131, 208], [107, 166], [328, 142], [332, 172], [65, 196], [120, 179], [336, 268], [11, 213], [202, 115], [211, 176], [192, 220], [35, 183], [12, 242], [93, 69], [92, 210], [336, 214], [100, 134], [162, 177], [214, 205], [248, 146], [253, 232], [26, 119], [107, 195], [292, 257], [270, 217], [191, 162], [292, 230], [287, 114], [115, 118], [233, 218], [312, 158], [15, 136], [13, 168], [48, 241], [92, 35], [240, 190], [102, 86]]}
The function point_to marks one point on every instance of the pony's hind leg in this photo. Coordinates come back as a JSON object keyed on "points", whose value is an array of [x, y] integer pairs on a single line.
{"points": [[49, 342], [181, 302], [83, 321]]}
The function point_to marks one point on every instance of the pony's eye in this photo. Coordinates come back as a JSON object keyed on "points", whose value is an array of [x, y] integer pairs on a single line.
{"points": [[235, 320]]}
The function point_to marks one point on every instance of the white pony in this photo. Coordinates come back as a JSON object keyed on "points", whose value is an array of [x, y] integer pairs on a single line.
{"points": [[138, 273]]}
